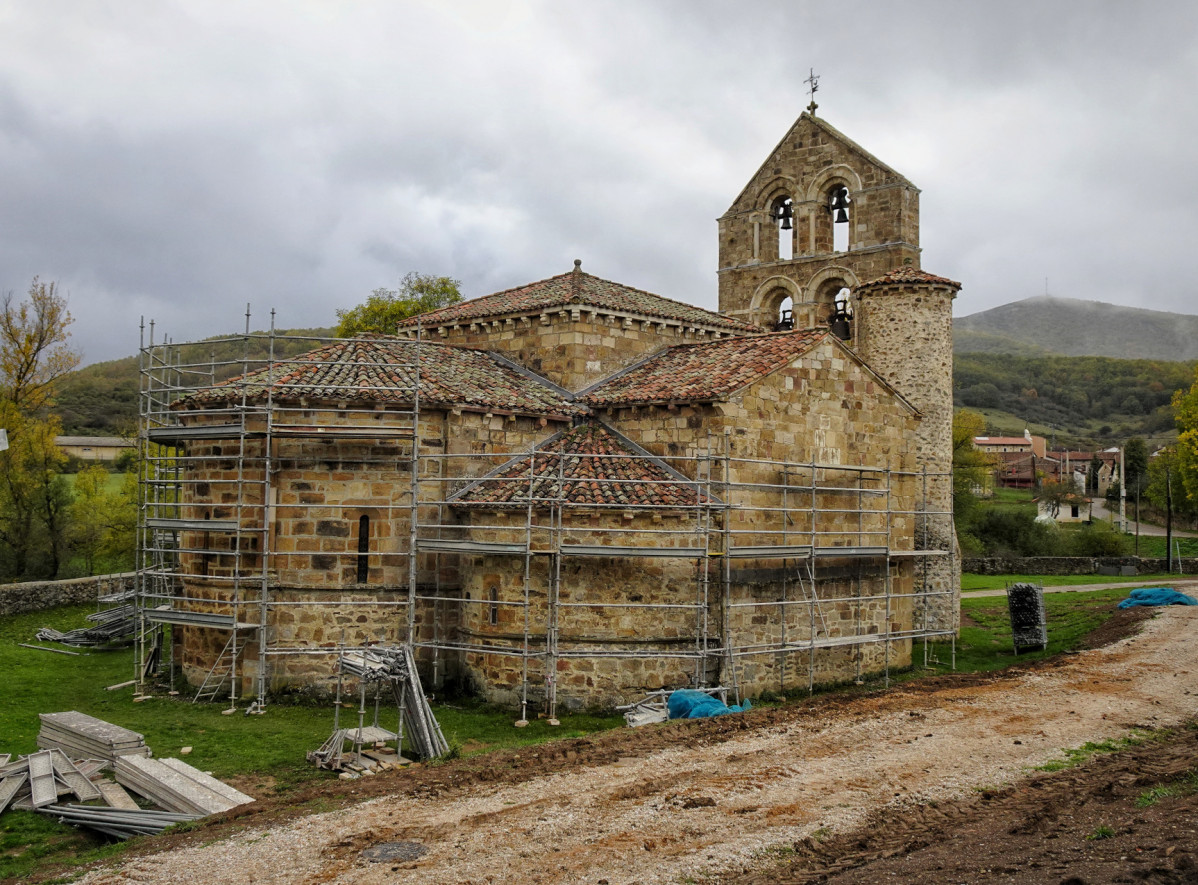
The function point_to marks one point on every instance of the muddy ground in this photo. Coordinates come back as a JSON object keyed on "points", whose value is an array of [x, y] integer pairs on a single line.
{"points": [[932, 781]]}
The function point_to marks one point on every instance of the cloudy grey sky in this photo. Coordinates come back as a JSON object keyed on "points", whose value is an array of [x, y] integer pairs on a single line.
{"points": [[176, 160]]}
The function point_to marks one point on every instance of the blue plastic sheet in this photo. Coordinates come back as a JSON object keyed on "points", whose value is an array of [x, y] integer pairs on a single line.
{"points": [[1156, 596], [690, 703]]}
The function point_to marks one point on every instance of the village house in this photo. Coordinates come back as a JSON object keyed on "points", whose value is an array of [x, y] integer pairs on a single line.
{"points": [[574, 491]]}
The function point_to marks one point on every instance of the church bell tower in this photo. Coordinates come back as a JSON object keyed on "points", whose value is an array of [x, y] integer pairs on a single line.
{"points": [[820, 216]]}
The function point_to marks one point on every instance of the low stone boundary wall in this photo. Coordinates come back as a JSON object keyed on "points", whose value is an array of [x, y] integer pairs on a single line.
{"points": [[33, 596], [1073, 565]]}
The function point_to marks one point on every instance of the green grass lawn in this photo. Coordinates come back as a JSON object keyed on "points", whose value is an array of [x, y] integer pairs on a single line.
{"points": [[999, 582], [1154, 546], [267, 753], [985, 642]]}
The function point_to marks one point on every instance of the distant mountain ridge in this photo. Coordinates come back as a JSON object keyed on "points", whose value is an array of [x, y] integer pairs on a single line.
{"points": [[1046, 325]]}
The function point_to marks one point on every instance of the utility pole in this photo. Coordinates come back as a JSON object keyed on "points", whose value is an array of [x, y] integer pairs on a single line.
{"points": [[1122, 494], [1168, 521]]}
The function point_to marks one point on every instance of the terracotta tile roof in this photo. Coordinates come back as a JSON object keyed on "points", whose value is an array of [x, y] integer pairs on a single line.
{"points": [[908, 275], [1002, 441], [379, 369], [582, 289], [588, 466], [701, 372]]}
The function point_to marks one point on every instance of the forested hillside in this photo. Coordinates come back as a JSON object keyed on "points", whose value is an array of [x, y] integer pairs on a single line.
{"points": [[101, 399], [1089, 400]]}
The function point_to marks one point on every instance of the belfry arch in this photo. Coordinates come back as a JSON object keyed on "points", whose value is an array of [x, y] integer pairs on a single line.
{"points": [[769, 300], [832, 195]]}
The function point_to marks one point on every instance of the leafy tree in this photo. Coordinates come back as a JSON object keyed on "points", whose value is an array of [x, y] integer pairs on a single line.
{"points": [[34, 496], [1135, 464], [103, 522], [33, 346], [1094, 474], [970, 466], [1185, 461], [385, 308], [1053, 493], [1164, 470]]}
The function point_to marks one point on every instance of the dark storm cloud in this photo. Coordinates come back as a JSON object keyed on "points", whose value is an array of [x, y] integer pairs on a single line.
{"points": [[178, 160]]}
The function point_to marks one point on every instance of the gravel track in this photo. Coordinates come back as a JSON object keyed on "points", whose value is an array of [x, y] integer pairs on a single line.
{"points": [[714, 802]]}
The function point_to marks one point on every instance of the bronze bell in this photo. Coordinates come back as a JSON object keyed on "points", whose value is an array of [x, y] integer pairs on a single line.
{"points": [[841, 215]]}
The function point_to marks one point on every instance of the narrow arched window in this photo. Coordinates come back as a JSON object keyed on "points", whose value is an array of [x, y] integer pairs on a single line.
{"points": [[494, 613], [786, 315], [363, 548], [841, 320], [783, 215], [838, 205]]}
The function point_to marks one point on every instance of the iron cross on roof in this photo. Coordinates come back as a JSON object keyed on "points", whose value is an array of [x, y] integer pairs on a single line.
{"points": [[812, 87]]}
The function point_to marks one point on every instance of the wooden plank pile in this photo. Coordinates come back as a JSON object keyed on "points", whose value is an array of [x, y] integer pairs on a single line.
{"points": [[85, 737], [40, 780]]}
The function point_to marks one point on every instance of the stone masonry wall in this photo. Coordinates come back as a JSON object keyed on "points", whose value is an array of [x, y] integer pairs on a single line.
{"points": [[322, 489], [32, 596], [905, 332], [603, 608], [575, 347]]}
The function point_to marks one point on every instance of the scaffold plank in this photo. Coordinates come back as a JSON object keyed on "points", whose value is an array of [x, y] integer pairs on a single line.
{"points": [[343, 431], [438, 545], [907, 554], [196, 619], [859, 552], [193, 525], [172, 434], [41, 779], [771, 551], [655, 552]]}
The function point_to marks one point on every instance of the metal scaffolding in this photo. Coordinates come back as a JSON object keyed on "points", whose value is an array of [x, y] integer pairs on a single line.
{"points": [[215, 554]]}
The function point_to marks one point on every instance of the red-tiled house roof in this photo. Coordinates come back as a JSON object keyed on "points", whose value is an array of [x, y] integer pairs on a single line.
{"points": [[708, 371], [380, 369], [587, 466], [908, 275], [579, 289]]}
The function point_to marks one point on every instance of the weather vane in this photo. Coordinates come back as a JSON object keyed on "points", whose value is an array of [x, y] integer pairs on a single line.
{"points": [[812, 88]]}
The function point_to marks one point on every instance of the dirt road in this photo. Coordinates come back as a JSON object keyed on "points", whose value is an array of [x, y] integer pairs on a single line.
{"points": [[722, 800]]}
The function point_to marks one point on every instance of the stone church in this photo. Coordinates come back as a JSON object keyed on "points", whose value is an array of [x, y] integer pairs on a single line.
{"points": [[575, 491]]}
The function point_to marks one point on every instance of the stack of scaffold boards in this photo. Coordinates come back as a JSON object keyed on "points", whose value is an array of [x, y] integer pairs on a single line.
{"points": [[393, 668], [38, 781], [89, 738], [112, 626]]}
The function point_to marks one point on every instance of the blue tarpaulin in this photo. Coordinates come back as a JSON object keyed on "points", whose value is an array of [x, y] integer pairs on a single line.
{"points": [[690, 703], [1156, 596]]}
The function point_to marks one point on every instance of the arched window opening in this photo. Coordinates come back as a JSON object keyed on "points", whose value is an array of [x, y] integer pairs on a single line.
{"points": [[841, 321], [783, 215], [786, 316], [494, 613], [363, 548], [838, 205]]}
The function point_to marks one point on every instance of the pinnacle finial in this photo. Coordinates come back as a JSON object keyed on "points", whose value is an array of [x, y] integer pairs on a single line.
{"points": [[577, 264]]}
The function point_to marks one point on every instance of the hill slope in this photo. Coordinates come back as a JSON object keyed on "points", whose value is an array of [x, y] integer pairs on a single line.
{"points": [[1072, 327], [102, 399]]}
